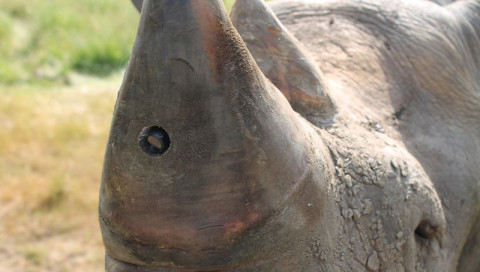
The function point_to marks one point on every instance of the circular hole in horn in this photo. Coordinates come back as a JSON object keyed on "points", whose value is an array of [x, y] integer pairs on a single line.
{"points": [[154, 141]]}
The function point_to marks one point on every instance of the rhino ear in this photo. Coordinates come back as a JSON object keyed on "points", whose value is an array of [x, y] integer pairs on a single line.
{"points": [[467, 13], [284, 61], [138, 4]]}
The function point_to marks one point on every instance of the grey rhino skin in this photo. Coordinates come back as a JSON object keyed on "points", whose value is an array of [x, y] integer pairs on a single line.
{"points": [[360, 152]]}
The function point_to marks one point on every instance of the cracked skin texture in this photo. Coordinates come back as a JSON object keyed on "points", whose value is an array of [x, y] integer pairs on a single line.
{"points": [[391, 185]]}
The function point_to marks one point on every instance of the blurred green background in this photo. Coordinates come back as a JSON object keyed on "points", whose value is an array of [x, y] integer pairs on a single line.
{"points": [[61, 64], [43, 41]]}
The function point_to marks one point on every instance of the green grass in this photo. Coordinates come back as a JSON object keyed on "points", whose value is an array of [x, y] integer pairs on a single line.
{"points": [[228, 3], [43, 41], [52, 143], [53, 134]]}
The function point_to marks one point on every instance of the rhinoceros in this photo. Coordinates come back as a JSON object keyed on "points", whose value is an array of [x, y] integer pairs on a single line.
{"points": [[333, 135]]}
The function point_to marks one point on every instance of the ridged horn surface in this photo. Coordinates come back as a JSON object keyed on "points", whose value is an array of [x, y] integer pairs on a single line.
{"points": [[202, 148]]}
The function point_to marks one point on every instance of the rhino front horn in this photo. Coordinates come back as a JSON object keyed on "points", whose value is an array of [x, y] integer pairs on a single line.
{"points": [[203, 150]]}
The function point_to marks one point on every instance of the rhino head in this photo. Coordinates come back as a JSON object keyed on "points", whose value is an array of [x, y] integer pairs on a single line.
{"points": [[304, 136]]}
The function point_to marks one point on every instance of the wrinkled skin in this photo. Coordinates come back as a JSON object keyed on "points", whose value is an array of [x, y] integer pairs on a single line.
{"points": [[345, 138]]}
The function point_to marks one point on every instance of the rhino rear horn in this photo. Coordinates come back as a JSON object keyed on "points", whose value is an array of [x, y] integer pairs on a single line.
{"points": [[284, 61]]}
